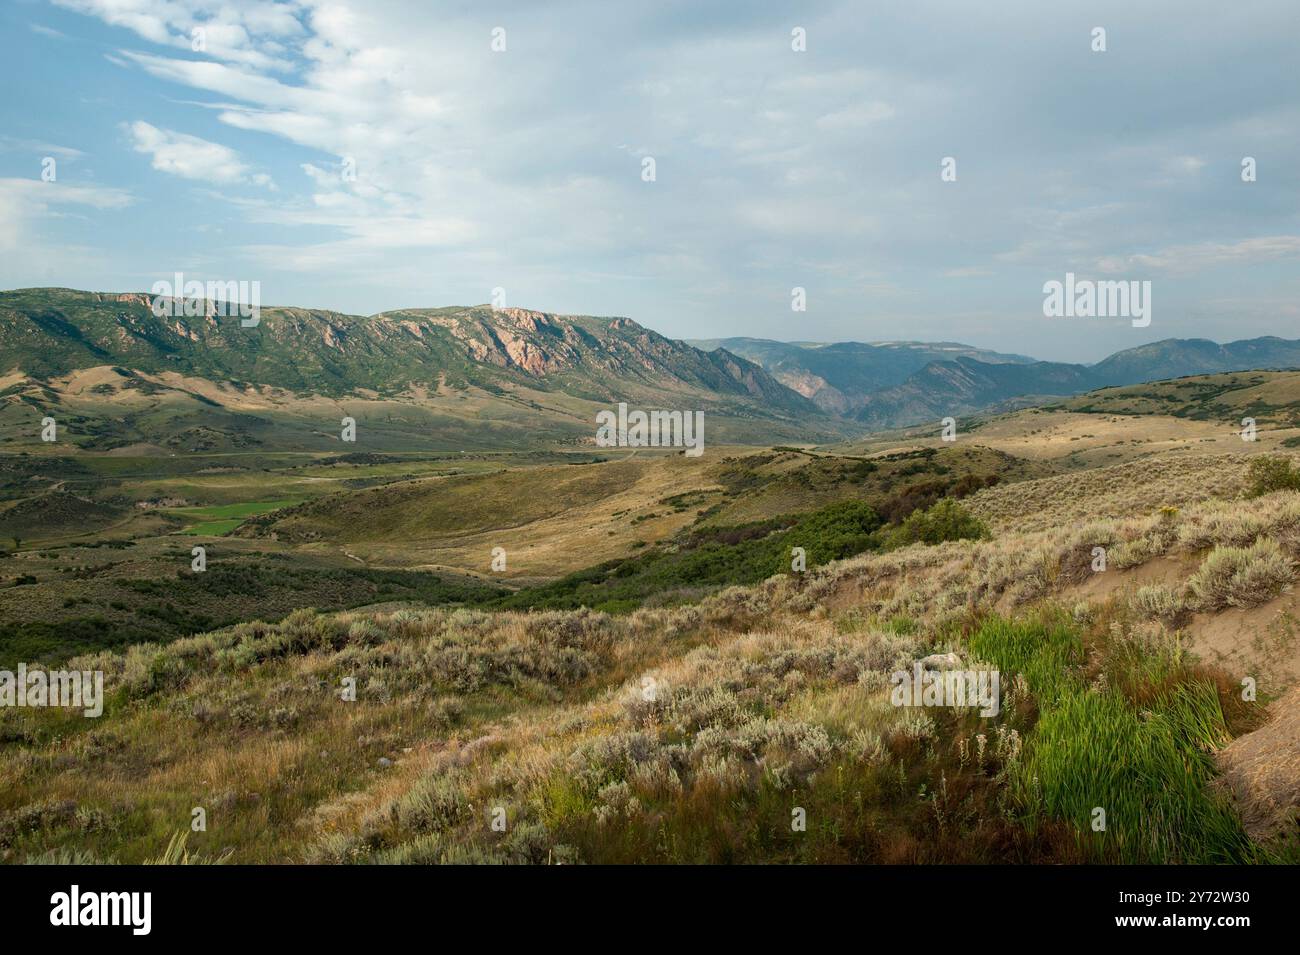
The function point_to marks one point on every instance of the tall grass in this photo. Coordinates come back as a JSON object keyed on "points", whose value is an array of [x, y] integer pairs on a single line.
{"points": [[1092, 747]]}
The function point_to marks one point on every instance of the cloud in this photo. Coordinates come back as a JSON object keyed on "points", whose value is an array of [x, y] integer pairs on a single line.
{"points": [[191, 157], [1187, 164], [856, 116], [42, 30], [27, 203], [1206, 255], [256, 34], [775, 168], [37, 148]]}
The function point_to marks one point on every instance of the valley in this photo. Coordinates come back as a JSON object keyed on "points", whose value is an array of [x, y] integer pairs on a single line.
{"points": [[501, 591]]}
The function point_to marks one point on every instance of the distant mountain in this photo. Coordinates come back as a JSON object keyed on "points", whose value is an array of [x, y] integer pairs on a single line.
{"points": [[511, 359], [894, 384], [1178, 357], [480, 378], [959, 387], [840, 376]]}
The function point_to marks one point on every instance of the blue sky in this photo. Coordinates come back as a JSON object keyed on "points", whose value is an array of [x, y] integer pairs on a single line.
{"points": [[522, 169]]}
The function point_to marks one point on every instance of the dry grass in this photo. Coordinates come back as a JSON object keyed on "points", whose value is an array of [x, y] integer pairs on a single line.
{"points": [[1122, 490]]}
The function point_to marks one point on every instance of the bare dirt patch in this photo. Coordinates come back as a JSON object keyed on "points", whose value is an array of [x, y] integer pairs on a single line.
{"points": [[1260, 642], [1261, 770]]}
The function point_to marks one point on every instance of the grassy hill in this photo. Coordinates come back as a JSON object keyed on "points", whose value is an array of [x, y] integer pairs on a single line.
{"points": [[555, 520], [294, 531], [1271, 398]]}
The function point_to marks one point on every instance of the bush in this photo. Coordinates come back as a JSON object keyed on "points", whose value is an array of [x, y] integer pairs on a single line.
{"points": [[1158, 601], [1268, 474], [709, 558], [1242, 576], [945, 521]]}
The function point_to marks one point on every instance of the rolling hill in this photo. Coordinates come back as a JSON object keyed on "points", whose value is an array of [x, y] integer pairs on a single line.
{"points": [[523, 687]]}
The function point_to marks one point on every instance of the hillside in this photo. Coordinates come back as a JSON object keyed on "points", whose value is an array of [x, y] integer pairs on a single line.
{"points": [[1271, 398], [676, 650], [99, 535], [962, 386], [480, 378], [555, 520], [413, 378], [760, 698], [1177, 358]]}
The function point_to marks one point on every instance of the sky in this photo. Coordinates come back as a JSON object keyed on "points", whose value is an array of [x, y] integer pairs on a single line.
{"points": [[368, 155]]}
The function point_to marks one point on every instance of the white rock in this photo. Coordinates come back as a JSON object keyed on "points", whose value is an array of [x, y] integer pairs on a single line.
{"points": [[941, 661]]}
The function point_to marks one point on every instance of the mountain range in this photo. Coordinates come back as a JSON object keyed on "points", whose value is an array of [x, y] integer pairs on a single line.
{"points": [[48, 332], [840, 376], [453, 377], [893, 384], [480, 377]]}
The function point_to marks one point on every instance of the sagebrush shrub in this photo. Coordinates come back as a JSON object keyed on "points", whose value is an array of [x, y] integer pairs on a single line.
{"points": [[1158, 601], [1242, 576]]}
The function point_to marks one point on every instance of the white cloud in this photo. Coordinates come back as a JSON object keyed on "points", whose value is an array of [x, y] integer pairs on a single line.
{"points": [[37, 148], [251, 32], [1187, 164], [190, 157], [42, 30]]}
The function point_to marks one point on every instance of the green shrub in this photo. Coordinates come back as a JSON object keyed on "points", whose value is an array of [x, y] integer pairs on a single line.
{"points": [[944, 521], [1269, 474], [712, 557]]}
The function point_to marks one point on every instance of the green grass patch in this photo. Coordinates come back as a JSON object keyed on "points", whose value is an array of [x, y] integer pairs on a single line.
{"points": [[1148, 766], [219, 519], [212, 528], [215, 512]]}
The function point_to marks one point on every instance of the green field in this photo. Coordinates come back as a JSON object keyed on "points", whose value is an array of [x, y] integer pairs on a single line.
{"points": [[214, 521]]}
